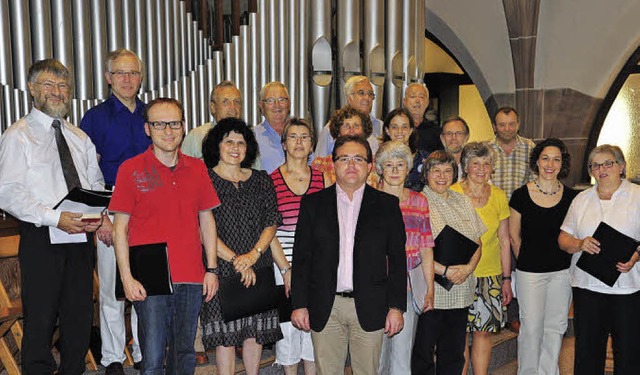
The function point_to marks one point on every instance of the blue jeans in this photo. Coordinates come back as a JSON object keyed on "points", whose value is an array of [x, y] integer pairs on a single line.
{"points": [[169, 321]]}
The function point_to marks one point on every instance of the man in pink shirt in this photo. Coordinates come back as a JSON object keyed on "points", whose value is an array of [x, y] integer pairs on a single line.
{"points": [[349, 281]]}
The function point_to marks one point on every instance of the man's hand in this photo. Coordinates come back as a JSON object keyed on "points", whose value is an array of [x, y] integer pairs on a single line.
{"points": [[70, 222], [458, 274], [133, 290], [105, 231], [428, 302], [209, 286], [394, 322], [300, 319]]}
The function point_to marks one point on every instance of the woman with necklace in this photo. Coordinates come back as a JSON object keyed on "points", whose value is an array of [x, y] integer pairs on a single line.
{"points": [[601, 310], [393, 163], [487, 314], [293, 180], [441, 332], [246, 222], [537, 211]]}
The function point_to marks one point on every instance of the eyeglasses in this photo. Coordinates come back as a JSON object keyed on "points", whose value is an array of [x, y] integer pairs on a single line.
{"points": [[272, 101], [228, 102], [49, 85], [161, 125], [301, 137], [440, 172], [120, 74], [362, 94], [347, 127], [454, 134], [606, 164], [390, 167], [344, 159]]}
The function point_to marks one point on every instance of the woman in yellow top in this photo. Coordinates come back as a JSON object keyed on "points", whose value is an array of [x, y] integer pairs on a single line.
{"points": [[493, 274]]}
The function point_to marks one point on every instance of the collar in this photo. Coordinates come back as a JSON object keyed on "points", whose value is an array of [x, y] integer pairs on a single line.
{"points": [[151, 158], [119, 106], [519, 141], [38, 118], [269, 129], [622, 190], [357, 194]]}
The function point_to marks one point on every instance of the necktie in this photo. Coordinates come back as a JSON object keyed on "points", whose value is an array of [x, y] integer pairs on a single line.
{"points": [[68, 168]]}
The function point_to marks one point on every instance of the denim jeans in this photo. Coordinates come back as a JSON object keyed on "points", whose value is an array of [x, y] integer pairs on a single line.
{"points": [[169, 321]]}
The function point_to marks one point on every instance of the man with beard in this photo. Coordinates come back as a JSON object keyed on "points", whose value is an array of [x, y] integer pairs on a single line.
{"points": [[116, 127], [455, 134], [43, 157]]}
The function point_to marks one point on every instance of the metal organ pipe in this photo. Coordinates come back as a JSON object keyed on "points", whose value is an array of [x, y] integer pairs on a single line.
{"points": [[244, 83], [373, 43], [408, 43], [141, 40], [348, 43], [393, 52], [99, 49], [40, 12], [128, 25], [294, 54], [115, 17], [255, 66], [321, 61], [303, 60]]}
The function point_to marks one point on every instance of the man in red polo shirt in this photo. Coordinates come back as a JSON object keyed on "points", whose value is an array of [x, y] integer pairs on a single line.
{"points": [[164, 196]]}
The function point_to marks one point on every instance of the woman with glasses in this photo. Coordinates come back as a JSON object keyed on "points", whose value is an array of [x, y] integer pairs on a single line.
{"points": [[487, 314], [399, 126], [393, 163], [601, 310], [293, 180], [441, 332], [345, 121], [246, 223], [544, 293]]}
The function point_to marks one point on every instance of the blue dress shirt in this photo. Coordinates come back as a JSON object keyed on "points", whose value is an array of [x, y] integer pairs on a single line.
{"points": [[271, 152], [117, 133]]}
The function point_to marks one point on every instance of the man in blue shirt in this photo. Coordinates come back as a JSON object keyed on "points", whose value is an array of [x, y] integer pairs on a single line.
{"points": [[275, 105], [116, 127]]}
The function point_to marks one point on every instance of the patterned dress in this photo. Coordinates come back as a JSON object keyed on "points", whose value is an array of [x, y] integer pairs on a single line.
{"points": [[244, 213]]}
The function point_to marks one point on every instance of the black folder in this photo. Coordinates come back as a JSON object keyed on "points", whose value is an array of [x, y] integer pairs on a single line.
{"points": [[452, 248], [150, 266], [237, 301], [91, 198], [614, 247]]}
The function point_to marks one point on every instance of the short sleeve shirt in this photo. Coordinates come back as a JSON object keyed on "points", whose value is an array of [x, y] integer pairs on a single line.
{"points": [[512, 171], [163, 206]]}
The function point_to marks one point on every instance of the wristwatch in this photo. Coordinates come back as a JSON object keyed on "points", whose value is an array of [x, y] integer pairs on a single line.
{"points": [[212, 270], [285, 270]]}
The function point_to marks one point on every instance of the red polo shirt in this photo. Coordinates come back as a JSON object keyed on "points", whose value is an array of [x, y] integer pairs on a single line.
{"points": [[163, 206]]}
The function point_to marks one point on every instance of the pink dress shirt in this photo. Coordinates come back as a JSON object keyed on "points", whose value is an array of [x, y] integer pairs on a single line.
{"points": [[348, 211]]}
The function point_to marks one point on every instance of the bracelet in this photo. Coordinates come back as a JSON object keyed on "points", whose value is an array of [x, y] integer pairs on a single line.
{"points": [[259, 250], [233, 258], [283, 271], [446, 268], [506, 278], [213, 270]]}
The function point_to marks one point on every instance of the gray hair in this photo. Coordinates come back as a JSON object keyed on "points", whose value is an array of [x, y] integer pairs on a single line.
{"points": [[476, 150], [352, 81], [219, 86], [609, 149], [420, 84], [390, 150], [114, 55], [52, 66], [272, 84]]}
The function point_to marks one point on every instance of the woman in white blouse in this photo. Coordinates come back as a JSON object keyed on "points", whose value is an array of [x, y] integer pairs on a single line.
{"points": [[600, 310]]}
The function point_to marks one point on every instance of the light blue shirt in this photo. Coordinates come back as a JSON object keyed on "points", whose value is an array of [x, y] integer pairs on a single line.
{"points": [[271, 152]]}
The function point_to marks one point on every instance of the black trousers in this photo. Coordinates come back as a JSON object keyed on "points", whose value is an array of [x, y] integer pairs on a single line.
{"points": [[440, 333], [57, 285], [597, 315]]}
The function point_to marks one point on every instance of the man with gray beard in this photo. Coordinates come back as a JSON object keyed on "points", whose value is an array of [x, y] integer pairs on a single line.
{"points": [[42, 158]]}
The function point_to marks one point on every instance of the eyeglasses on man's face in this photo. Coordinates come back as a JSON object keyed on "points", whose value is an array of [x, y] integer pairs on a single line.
{"points": [[161, 125], [272, 101]]}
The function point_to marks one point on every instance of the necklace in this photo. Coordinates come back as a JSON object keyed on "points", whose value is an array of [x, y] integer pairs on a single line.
{"points": [[548, 193]]}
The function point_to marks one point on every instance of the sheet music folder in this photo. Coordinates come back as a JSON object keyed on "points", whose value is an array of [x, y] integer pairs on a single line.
{"points": [[452, 248], [614, 247], [237, 301], [150, 266], [92, 198]]}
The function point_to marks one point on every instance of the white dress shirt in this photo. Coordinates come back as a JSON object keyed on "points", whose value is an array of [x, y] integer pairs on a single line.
{"points": [[31, 178]]}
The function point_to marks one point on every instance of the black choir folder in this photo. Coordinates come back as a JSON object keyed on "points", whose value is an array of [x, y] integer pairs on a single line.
{"points": [[614, 247], [92, 198], [150, 266], [237, 301], [452, 248]]}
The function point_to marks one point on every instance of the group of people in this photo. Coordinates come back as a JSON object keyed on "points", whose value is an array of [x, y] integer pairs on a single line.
{"points": [[340, 218]]}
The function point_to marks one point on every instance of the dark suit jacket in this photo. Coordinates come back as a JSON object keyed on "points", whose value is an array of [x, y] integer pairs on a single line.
{"points": [[379, 259]]}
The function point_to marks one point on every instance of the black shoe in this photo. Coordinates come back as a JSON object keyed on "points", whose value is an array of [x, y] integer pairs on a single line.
{"points": [[114, 368]]}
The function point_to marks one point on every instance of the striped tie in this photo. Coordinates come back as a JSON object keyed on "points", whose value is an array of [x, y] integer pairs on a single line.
{"points": [[68, 168]]}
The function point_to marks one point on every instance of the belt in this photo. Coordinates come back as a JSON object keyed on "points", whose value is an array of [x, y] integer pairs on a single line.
{"points": [[345, 294]]}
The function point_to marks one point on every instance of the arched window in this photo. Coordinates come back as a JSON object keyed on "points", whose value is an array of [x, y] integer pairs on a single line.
{"points": [[618, 121]]}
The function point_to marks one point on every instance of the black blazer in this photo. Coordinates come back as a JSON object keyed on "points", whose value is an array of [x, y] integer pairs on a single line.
{"points": [[379, 259]]}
